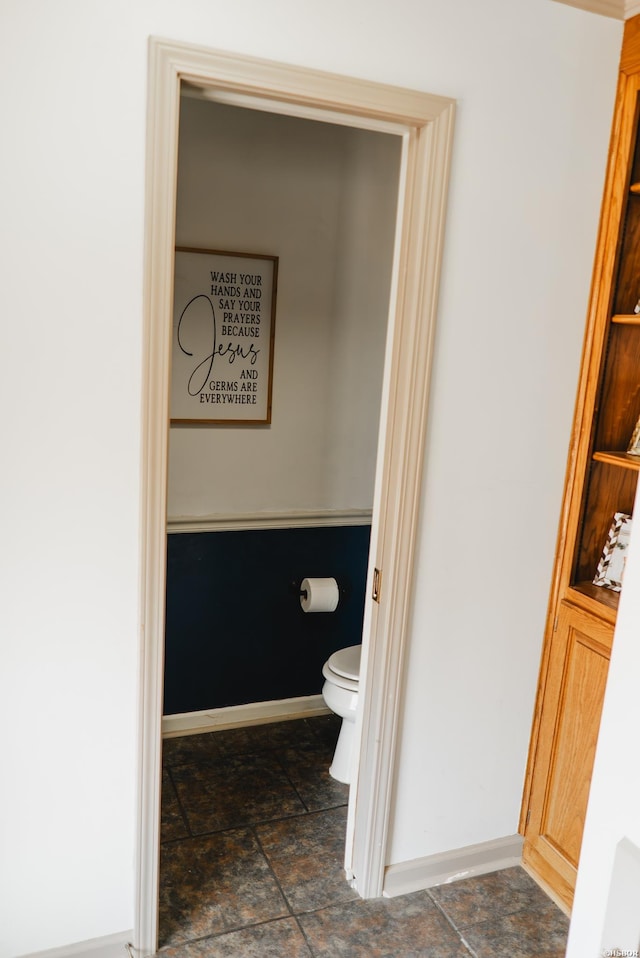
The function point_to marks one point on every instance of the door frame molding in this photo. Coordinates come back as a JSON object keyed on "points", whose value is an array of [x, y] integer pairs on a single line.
{"points": [[425, 123]]}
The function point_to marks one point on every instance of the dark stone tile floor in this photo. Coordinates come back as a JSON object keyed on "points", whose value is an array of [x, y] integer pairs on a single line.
{"points": [[251, 865]]}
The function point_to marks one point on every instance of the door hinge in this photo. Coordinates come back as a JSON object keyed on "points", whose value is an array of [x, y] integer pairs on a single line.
{"points": [[555, 624], [377, 580], [528, 818]]}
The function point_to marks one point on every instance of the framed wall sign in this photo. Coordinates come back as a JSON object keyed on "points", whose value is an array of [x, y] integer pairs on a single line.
{"points": [[223, 332]]}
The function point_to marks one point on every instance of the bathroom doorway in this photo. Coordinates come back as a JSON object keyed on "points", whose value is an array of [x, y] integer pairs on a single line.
{"points": [[253, 509], [423, 126]]}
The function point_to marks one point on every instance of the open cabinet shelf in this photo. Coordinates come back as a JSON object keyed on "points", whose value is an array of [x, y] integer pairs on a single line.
{"points": [[611, 408], [605, 597], [627, 319], [622, 459]]}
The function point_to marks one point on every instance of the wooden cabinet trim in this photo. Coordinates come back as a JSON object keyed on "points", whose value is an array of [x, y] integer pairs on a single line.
{"points": [[630, 56]]}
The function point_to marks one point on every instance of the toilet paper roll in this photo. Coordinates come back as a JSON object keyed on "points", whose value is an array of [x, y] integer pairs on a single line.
{"points": [[319, 595]]}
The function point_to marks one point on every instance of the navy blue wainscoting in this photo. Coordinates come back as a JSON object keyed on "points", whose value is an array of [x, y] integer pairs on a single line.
{"points": [[235, 631]]}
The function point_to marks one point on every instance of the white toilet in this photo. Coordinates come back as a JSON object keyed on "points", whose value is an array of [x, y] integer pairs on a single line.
{"points": [[340, 692]]}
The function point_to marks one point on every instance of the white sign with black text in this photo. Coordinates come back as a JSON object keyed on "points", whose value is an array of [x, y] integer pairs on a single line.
{"points": [[223, 333]]}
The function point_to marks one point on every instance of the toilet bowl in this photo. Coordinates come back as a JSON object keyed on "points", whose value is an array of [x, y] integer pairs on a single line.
{"points": [[340, 692]]}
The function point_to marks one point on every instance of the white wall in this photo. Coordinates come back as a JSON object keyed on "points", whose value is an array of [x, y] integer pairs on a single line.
{"points": [[322, 198], [535, 83], [525, 197]]}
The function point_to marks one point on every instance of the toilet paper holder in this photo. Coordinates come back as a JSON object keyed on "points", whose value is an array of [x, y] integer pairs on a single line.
{"points": [[296, 588], [319, 594]]}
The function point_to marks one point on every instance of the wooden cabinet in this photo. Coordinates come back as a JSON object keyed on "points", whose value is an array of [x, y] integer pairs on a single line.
{"points": [[601, 481], [576, 677]]}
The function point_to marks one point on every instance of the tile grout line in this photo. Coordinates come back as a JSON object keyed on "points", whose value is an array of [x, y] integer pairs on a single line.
{"points": [[289, 779], [182, 809], [231, 930], [294, 914], [304, 935], [451, 924], [272, 871], [257, 824]]}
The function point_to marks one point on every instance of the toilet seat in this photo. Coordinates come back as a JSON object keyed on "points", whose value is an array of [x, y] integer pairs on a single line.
{"points": [[343, 668]]}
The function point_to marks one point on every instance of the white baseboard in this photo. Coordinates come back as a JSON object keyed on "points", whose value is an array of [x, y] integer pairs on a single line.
{"points": [[235, 716], [111, 946], [452, 866]]}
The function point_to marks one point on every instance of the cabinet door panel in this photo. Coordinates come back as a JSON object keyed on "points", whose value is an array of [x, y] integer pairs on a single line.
{"points": [[569, 725]]}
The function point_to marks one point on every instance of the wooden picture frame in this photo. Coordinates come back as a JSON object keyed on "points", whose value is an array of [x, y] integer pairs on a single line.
{"points": [[222, 337], [611, 566]]}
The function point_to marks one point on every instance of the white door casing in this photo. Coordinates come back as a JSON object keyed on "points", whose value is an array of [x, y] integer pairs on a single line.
{"points": [[425, 123]]}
